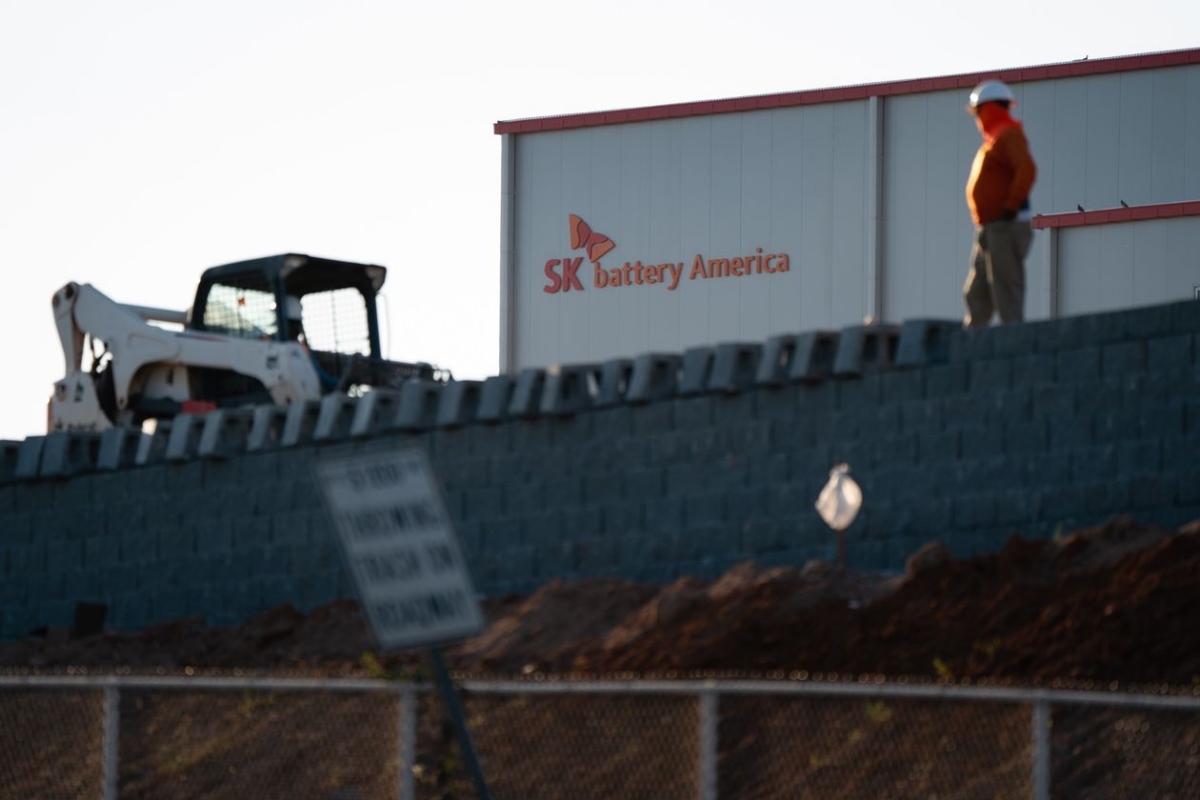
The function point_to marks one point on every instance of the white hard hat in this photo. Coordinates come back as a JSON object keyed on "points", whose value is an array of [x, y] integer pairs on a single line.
{"points": [[293, 308], [990, 92]]}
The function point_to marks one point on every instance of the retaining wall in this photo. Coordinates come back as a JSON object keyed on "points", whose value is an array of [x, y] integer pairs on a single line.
{"points": [[647, 469]]}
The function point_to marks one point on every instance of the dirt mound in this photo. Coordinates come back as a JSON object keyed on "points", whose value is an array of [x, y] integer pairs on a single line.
{"points": [[1112, 603]]}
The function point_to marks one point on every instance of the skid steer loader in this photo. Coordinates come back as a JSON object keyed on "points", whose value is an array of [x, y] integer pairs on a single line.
{"points": [[281, 329]]}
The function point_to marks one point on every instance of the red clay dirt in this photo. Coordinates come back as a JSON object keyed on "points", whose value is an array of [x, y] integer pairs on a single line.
{"points": [[1112, 603]]}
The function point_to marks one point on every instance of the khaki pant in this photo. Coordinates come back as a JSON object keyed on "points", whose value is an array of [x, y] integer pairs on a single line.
{"points": [[996, 282]]}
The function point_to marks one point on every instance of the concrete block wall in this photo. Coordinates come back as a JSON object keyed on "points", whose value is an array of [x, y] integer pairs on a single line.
{"points": [[655, 471]]}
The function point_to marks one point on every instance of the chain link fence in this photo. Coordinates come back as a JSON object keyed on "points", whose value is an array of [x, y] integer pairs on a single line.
{"points": [[203, 737]]}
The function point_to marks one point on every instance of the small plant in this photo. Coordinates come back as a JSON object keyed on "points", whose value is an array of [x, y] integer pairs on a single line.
{"points": [[987, 647], [878, 712]]}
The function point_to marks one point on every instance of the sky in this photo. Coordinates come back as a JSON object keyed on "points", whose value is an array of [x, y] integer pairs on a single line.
{"points": [[142, 141]]}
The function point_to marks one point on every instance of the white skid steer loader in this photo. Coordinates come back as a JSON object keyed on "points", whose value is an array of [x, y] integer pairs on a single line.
{"points": [[281, 330]]}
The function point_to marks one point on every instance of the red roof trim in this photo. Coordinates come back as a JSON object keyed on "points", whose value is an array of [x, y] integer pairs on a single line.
{"points": [[1105, 216], [1100, 66]]}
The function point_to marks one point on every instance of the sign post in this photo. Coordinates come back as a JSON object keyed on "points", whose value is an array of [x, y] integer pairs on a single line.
{"points": [[404, 556]]}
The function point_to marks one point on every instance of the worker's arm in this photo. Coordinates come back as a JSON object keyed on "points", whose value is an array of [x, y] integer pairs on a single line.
{"points": [[1016, 152]]}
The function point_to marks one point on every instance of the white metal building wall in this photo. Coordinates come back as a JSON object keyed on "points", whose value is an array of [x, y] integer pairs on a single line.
{"points": [[810, 180], [1109, 267], [789, 180]]}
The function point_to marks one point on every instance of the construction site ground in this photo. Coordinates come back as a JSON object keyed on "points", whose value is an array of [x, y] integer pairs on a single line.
{"points": [[1109, 608]]}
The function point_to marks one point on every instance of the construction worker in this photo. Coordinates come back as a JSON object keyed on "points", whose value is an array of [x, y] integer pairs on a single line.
{"points": [[295, 333], [1002, 176]]}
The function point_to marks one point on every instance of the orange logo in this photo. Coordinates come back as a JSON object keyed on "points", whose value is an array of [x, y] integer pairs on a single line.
{"points": [[582, 236]]}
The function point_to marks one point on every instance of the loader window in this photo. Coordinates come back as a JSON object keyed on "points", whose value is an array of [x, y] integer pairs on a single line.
{"points": [[336, 321], [242, 312]]}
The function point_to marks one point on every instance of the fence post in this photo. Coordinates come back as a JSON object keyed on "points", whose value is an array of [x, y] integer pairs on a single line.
{"points": [[112, 741], [708, 744], [408, 742], [1041, 749]]}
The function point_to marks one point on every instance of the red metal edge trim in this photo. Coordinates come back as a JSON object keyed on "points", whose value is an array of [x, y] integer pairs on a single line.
{"points": [[1102, 216], [1070, 69]]}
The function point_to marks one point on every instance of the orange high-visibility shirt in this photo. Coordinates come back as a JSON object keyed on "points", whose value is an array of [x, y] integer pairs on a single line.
{"points": [[1001, 176]]}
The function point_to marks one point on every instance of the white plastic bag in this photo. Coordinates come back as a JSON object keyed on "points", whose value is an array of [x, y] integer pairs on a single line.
{"points": [[840, 500]]}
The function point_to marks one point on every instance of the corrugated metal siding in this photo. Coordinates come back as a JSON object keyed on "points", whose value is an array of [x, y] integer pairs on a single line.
{"points": [[1108, 267], [791, 180]]}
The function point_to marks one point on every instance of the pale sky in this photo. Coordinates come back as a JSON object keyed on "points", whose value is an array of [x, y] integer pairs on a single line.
{"points": [[142, 141]]}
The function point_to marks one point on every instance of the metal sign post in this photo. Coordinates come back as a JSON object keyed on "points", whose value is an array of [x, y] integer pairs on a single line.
{"points": [[404, 556]]}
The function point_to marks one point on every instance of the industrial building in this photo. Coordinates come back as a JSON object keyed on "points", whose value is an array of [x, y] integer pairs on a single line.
{"points": [[668, 227]]}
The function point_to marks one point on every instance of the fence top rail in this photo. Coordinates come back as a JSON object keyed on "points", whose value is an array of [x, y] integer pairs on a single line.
{"points": [[921, 691]]}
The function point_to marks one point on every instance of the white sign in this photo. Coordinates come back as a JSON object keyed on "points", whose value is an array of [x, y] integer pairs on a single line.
{"points": [[401, 548]]}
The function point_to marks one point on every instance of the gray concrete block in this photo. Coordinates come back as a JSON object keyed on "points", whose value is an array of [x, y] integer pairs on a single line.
{"points": [[1147, 322], [1107, 496], [1034, 471], [1181, 454], [814, 356], [267, 428], [29, 458], [1169, 353], [690, 413], [899, 387], [1026, 437], [1185, 316], [616, 375], [1070, 433], [1121, 423], [595, 555], [923, 417], [495, 398], [1163, 421], [577, 524], [1019, 339], [66, 454], [569, 389], [697, 370], [1089, 330], [924, 342], [300, 423], [974, 510], [418, 405], [1139, 458], [1034, 370], [1188, 487], [1151, 491], [183, 442], [459, 403], [864, 349], [775, 361], [1123, 358], [152, 447], [1095, 463], [335, 417], [226, 433], [653, 419], [735, 366], [527, 394], [10, 452], [655, 376], [664, 516], [991, 375], [971, 344]]}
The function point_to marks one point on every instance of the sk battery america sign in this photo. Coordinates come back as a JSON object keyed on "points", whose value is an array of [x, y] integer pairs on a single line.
{"points": [[567, 274]]}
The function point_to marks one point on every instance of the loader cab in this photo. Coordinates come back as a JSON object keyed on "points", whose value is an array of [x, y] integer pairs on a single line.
{"points": [[249, 299]]}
